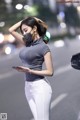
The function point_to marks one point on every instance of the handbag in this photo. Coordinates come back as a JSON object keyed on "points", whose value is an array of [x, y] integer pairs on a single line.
{"points": [[75, 61]]}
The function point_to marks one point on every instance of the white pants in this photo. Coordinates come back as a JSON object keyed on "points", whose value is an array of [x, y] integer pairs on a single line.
{"points": [[38, 94]]}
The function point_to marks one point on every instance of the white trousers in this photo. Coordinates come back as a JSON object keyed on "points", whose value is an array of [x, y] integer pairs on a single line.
{"points": [[38, 94]]}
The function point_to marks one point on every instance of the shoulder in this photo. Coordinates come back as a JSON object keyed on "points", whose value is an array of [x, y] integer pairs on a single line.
{"points": [[44, 48], [44, 45]]}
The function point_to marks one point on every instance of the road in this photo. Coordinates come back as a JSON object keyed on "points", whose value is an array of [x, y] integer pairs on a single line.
{"points": [[65, 84]]}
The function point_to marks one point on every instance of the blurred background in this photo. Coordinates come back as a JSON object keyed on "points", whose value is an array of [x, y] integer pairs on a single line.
{"points": [[63, 19]]}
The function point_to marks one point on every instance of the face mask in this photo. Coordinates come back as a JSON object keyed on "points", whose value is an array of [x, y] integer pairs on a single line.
{"points": [[27, 38]]}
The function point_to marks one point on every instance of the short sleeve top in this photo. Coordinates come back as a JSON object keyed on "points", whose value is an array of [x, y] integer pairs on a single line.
{"points": [[33, 57]]}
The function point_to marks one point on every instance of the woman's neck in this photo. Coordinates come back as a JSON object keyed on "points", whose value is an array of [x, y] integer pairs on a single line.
{"points": [[36, 37]]}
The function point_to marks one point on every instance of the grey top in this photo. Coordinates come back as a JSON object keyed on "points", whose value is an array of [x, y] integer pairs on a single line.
{"points": [[33, 57]]}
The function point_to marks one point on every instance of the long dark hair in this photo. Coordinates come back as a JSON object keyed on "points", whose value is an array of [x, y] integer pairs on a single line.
{"points": [[32, 21]]}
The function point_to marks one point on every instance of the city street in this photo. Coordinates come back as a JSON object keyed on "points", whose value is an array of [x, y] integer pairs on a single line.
{"points": [[65, 83]]}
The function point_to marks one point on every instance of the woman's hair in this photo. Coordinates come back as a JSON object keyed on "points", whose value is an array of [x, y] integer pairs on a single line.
{"points": [[33, 21]]}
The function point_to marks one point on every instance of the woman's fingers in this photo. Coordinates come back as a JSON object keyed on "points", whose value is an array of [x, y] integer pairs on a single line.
{"points": [[22, 69]]}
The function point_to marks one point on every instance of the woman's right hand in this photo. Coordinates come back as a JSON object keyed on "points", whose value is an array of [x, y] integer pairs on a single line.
{"points": [[15, 34]]}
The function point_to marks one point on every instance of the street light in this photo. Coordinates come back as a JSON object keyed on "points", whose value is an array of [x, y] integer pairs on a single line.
{"points": [[8, 5], [8, 1], [52, 5], [19, 6], [78, 9]]}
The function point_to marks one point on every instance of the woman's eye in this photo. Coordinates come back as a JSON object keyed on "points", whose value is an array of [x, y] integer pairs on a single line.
{"points": [[25, 30]]}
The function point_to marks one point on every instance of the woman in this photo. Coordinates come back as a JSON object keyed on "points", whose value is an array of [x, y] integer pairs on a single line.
{"points": [[37, 88]]}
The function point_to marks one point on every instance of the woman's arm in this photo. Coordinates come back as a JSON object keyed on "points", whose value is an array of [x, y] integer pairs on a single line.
{"points": [[49, 66], [13, 31]]}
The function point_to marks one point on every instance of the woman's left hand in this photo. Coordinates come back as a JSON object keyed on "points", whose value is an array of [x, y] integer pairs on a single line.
{"points": [[23, 69]]}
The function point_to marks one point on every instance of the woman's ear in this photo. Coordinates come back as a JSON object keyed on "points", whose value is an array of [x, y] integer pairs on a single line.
{"points": [[34, 28]]}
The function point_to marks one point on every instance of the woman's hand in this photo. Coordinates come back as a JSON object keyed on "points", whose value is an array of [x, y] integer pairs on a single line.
{"points": [[22, 69], [15, 33]]}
